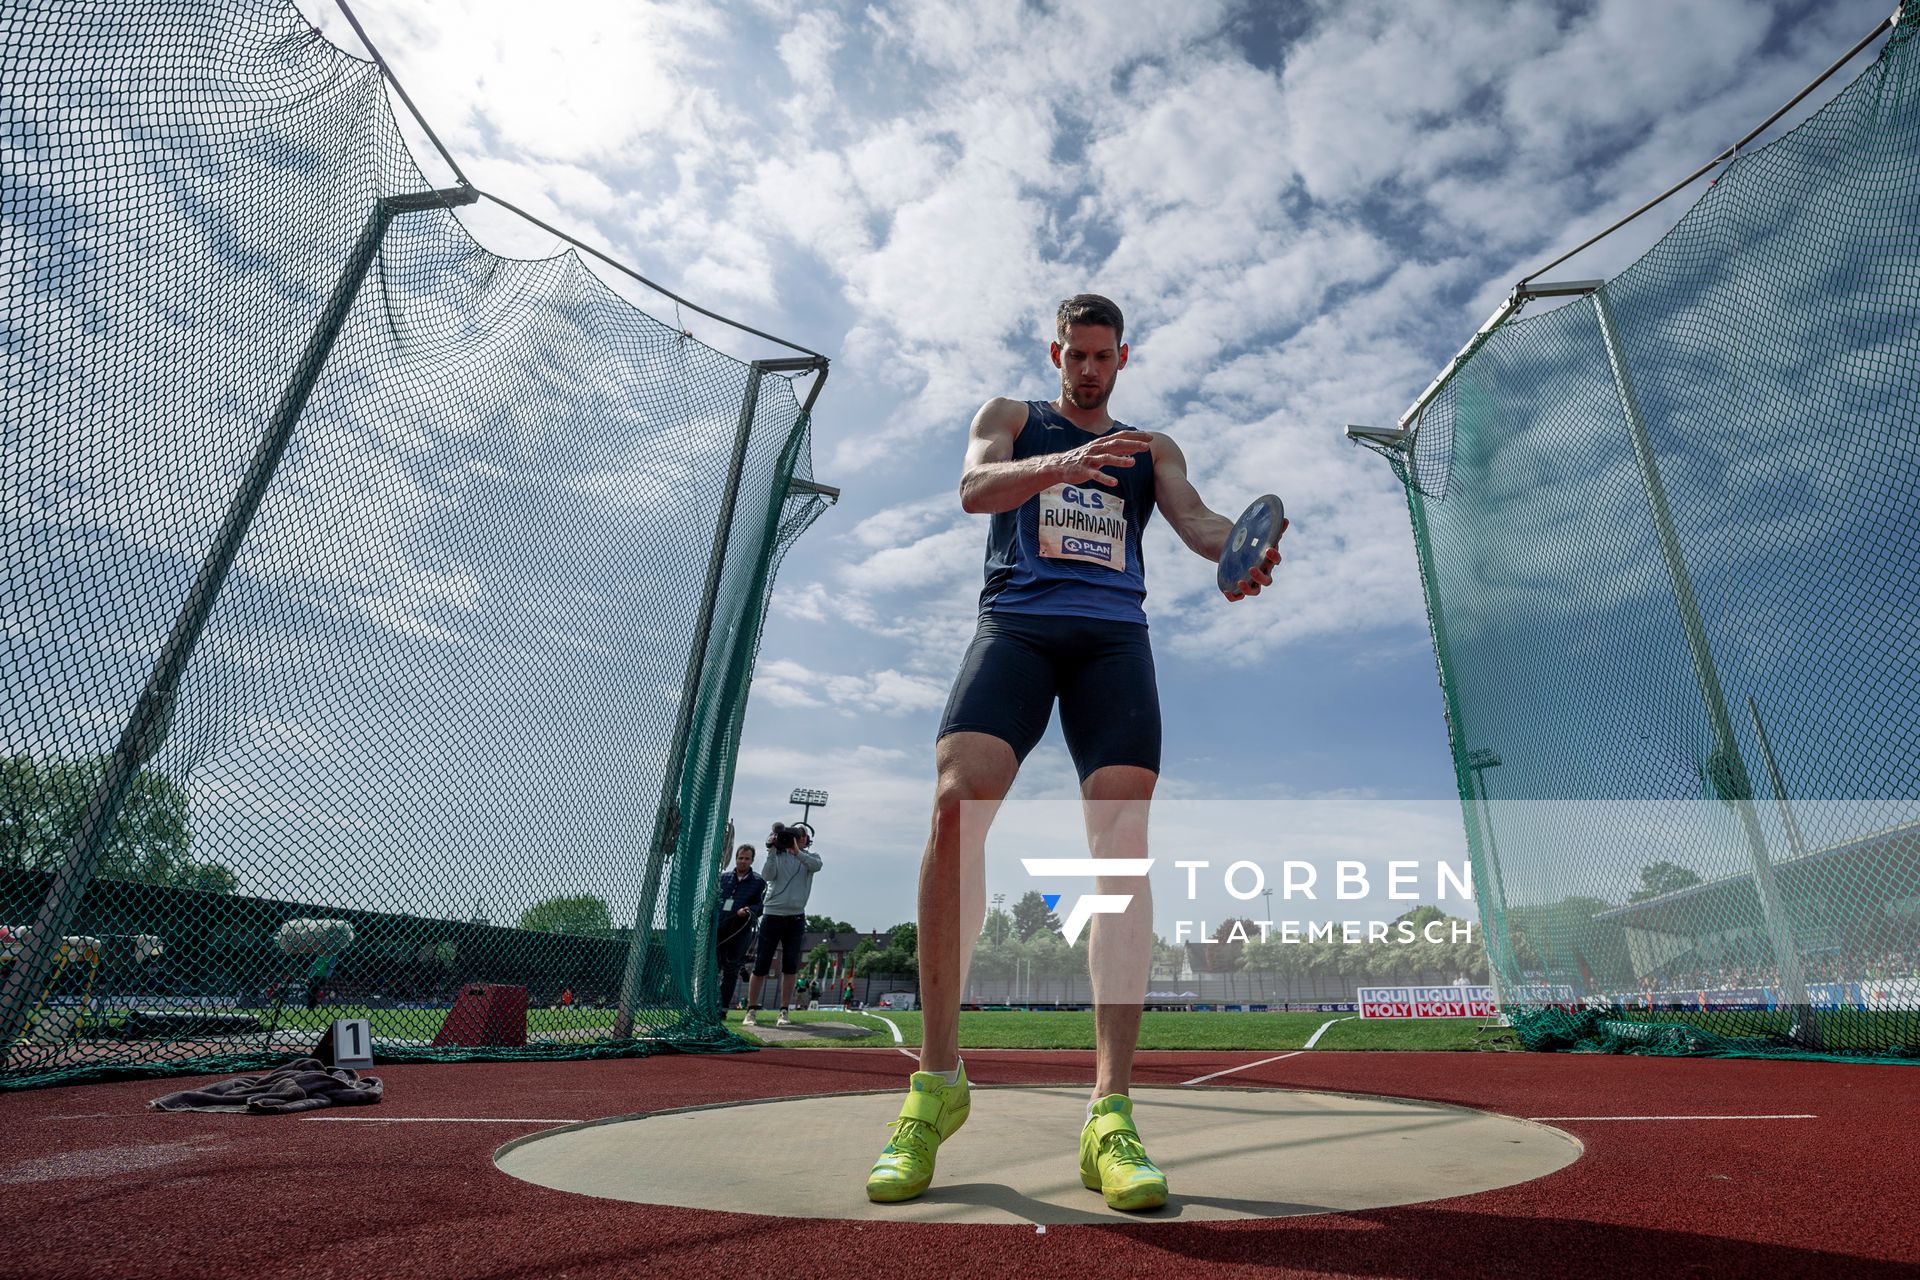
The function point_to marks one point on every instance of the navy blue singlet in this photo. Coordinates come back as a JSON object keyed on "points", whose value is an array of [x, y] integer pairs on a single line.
{"points": [[1073, 550]]}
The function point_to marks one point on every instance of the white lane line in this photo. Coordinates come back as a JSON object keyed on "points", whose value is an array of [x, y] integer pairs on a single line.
{"points": [[891, 1026], [1792, 1117], [438, 1120], [1314, 1039], [1245, 1066]]}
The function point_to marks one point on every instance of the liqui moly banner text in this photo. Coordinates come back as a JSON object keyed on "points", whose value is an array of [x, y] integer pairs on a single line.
{"points": [[1426, 1002]]}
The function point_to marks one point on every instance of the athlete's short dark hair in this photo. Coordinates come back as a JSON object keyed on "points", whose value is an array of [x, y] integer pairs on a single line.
{"points": [[1089, 308]]}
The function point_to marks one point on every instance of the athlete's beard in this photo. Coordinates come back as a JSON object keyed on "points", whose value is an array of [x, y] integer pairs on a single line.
{"points": [[1075, 395]]}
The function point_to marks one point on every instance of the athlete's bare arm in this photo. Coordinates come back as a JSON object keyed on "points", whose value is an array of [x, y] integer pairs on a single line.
{"points": [[994, 481], [1203, 529]]}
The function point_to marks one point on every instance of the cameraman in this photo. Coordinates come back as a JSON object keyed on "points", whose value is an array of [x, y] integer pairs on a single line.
{"points": [[741, 896], [790, 869]]}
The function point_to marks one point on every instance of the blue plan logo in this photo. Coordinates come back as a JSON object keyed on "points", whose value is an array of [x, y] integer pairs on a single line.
{"points": [[1086, 547]]}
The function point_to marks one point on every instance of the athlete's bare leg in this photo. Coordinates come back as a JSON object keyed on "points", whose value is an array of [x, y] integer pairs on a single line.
{"points": [[1120, 947], [975, 772]]}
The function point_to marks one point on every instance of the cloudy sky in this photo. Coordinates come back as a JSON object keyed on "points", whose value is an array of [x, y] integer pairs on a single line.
{"points": [[1304, 210]]}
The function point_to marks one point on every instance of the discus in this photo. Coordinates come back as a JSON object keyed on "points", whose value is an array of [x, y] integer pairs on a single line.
{"points": [[1258, 529]]}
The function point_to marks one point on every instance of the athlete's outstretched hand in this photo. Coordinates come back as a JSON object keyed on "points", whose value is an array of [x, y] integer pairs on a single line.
{"points": [[1077, 466], [1262, 575]]}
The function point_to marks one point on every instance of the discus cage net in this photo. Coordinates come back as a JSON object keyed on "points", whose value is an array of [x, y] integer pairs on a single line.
{"points": [[1670, 545], [379, 611]]}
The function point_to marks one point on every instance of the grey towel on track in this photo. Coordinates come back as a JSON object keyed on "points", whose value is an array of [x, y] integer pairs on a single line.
{"points": [[304, 1085]]}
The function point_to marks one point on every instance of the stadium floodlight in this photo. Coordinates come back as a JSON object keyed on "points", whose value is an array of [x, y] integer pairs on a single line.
{"points": [[809, 799]]}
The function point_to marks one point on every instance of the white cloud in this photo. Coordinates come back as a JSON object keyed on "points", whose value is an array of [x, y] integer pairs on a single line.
{"points": [[786, 683]]}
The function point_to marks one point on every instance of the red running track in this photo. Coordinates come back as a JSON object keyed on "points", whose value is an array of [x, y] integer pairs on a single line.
{"points": [[92, 1184]]}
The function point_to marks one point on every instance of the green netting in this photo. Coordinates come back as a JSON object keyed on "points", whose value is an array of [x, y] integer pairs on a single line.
{"points": [[507, 574], [1671, 549]]}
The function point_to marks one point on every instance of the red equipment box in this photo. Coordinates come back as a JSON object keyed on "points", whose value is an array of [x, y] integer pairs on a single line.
{"points": [[486, 1014]]}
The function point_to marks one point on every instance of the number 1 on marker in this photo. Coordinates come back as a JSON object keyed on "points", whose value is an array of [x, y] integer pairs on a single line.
{"points": [[352, 1043]]}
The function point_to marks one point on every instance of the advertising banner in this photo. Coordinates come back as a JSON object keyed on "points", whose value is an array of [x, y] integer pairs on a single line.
{"points": [[1426, 1002]]}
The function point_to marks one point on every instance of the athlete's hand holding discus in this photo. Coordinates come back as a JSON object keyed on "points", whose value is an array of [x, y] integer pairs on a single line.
{"points": [[1252, 549]]}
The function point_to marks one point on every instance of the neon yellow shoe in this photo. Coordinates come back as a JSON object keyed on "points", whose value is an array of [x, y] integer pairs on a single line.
{"points": [[1113, 1162], [933, 1112]]}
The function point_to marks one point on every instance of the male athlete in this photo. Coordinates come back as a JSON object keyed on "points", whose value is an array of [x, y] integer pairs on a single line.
{"points": [[1070, 491]]}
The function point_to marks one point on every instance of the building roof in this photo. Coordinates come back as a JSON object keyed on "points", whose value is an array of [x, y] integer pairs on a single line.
{"points": [[1889, 860]]}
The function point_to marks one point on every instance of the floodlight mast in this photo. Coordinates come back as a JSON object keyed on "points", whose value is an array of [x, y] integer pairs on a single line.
{"points": [[808, 798]]}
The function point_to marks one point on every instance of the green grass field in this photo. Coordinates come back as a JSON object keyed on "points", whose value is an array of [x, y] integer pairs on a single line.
{"points": [[995, 1029], [1278, 1032], [419, 1024]]}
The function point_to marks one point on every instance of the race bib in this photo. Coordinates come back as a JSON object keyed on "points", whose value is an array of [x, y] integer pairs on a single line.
{"points": [[1088, 525]]}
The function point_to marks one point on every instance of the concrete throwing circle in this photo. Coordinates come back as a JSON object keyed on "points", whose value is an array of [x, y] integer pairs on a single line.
{"points": [[1228, 1153]]}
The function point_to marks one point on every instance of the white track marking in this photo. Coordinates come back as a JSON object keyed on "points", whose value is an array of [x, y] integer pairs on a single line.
{"points": [[1793, 1117], [891, 1026], [438, 1120], [1245, 1066], [1314, 1039]]}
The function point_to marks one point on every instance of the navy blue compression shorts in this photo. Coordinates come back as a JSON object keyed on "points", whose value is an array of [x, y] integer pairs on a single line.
{"points": [[1101, 671]]}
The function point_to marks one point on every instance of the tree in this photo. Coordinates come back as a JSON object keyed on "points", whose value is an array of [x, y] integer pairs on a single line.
{"points": [[892, 962], [1470, 958], [1052, 957], [1224, 955], [1419, 917], [1281, 959], [997, 927], [1662, 878], [827, 924], [904, 938], [1168, 956], [43, 802], [208, 877], [583, 916], [997, 959], [1564, 944], [1384, 963], [1031, 915]]}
